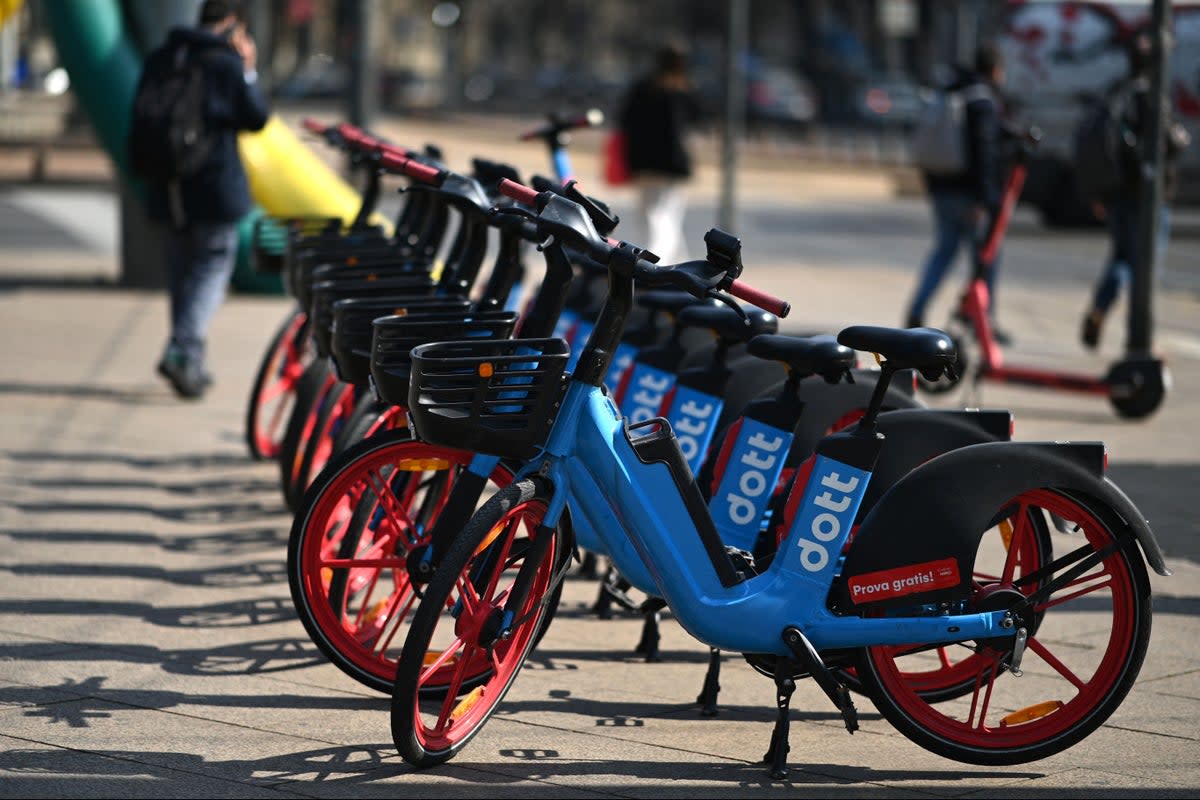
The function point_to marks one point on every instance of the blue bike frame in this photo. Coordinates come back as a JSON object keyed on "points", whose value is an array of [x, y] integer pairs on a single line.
{"points": [[640, 514]]}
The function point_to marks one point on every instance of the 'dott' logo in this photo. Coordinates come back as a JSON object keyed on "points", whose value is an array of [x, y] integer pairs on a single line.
{"points": [[647, 388], [826, 519], [749, 479]]}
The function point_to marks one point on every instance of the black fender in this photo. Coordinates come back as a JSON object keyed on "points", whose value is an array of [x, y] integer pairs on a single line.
{"points": [[913, 436], [940, 510]]}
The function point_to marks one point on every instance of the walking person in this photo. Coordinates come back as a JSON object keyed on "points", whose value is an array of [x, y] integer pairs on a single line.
{"points": [[964, 201], [1118, 207], [655, 117], [197, 91]]}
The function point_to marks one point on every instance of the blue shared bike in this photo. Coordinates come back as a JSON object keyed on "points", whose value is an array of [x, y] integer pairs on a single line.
{"points": [[940, 560]]}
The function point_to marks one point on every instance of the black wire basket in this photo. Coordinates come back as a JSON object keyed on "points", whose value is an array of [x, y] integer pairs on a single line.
{"points": [[271, 237], [394, 337], [493, 397], [353, 328], [348, 284]]}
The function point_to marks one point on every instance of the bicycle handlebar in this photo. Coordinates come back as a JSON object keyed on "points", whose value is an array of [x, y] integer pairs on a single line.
{"points": [[396, 160], [312, 126], [686, 278], [759, 298], [590, 119], [518, 191]]}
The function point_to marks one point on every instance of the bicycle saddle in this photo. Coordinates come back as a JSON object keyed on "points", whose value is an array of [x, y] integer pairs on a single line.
{"points": [[811, 355], [926, 349], [727, 323]]}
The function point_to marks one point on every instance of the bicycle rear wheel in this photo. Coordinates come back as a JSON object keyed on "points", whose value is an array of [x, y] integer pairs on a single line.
{"points": [[461, 637], [1065, 691], [349, 543]]}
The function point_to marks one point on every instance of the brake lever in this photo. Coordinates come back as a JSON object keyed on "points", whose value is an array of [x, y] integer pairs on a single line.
{"points": [[727, 300]]}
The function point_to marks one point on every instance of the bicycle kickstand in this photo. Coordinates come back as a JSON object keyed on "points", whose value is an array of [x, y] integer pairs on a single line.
{"points": [[777, 753], [811, 661], [648, 645], [712, 684]]}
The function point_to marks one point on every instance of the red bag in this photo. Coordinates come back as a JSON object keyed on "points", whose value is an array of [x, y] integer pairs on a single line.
{"points": [[616, 168]]}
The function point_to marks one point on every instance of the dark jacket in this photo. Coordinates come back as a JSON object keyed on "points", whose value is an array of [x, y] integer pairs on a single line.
{"points": [[1137, 115], [219, 192], [655, 119], [985, 124]]}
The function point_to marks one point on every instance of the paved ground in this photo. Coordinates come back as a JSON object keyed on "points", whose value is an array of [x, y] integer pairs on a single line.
{"points": [[148, 647]]}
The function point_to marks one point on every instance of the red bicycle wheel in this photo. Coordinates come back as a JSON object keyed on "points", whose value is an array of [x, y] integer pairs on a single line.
{"points": [[349, 543], [273, 392], [462, 640], [1065, 691]]}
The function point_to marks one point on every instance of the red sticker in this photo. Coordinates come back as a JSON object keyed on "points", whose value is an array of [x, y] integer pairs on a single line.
{"points": [[889, 583]]}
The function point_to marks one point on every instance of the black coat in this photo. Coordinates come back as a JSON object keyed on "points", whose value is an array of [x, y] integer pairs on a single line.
{"points": [[219, 192], [655, 119]]}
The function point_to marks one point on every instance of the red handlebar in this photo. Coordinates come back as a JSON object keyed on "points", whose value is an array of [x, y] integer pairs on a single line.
{"points": [[761, 299], [313, 126], [518, 191], [396, 161]]}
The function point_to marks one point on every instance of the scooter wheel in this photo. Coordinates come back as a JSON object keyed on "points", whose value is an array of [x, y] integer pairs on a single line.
{"points": [[1137, 387]]}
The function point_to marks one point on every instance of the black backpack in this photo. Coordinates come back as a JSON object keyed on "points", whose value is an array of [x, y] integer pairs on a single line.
{"points": [[1105, 146], [169, 138]]}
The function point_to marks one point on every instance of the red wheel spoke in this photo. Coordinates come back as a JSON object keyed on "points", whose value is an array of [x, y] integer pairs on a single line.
{"points": [[275, 389], [1058, 666], [985, 679], [494, 579], [395, 512], [394, 620], [1020, 533], [1096, 581], [471, 599]]}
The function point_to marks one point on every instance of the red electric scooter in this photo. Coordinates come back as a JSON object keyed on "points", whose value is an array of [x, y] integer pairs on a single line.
{"points": [[1135, 386]]}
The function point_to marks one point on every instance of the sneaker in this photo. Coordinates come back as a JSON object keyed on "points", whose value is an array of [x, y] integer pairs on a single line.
{"points": [[1090, 333], [189, 379]]}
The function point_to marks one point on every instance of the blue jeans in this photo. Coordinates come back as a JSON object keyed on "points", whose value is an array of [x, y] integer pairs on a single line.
{"points": [[954, 224], [200, 261], [1121, 219]]}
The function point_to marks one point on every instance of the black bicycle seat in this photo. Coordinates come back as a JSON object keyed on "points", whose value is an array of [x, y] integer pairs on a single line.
{"points": [[727, 323], [915, 348], [807, 355]]}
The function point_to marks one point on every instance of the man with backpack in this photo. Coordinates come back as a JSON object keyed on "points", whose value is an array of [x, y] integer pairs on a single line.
{"points": [[196, 92], [1107, 165], [957, 148]]}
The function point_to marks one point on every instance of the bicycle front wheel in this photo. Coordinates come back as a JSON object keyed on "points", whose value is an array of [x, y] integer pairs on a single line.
{"points": [[350, 540], [1065, 691], [274, 390], [461, 637]]}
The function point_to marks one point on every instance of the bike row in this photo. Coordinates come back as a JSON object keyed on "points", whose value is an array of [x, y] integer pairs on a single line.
{"points": [[447, 447]]}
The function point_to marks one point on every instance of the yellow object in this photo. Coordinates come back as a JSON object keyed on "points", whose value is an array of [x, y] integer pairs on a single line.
{"points": [[1031, 713], [289, 180], [422, 464], [9, 8]]}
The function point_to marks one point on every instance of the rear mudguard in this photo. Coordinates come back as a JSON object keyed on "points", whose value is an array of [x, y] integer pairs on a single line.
{"points": [[932, 519], [916, 435]]}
